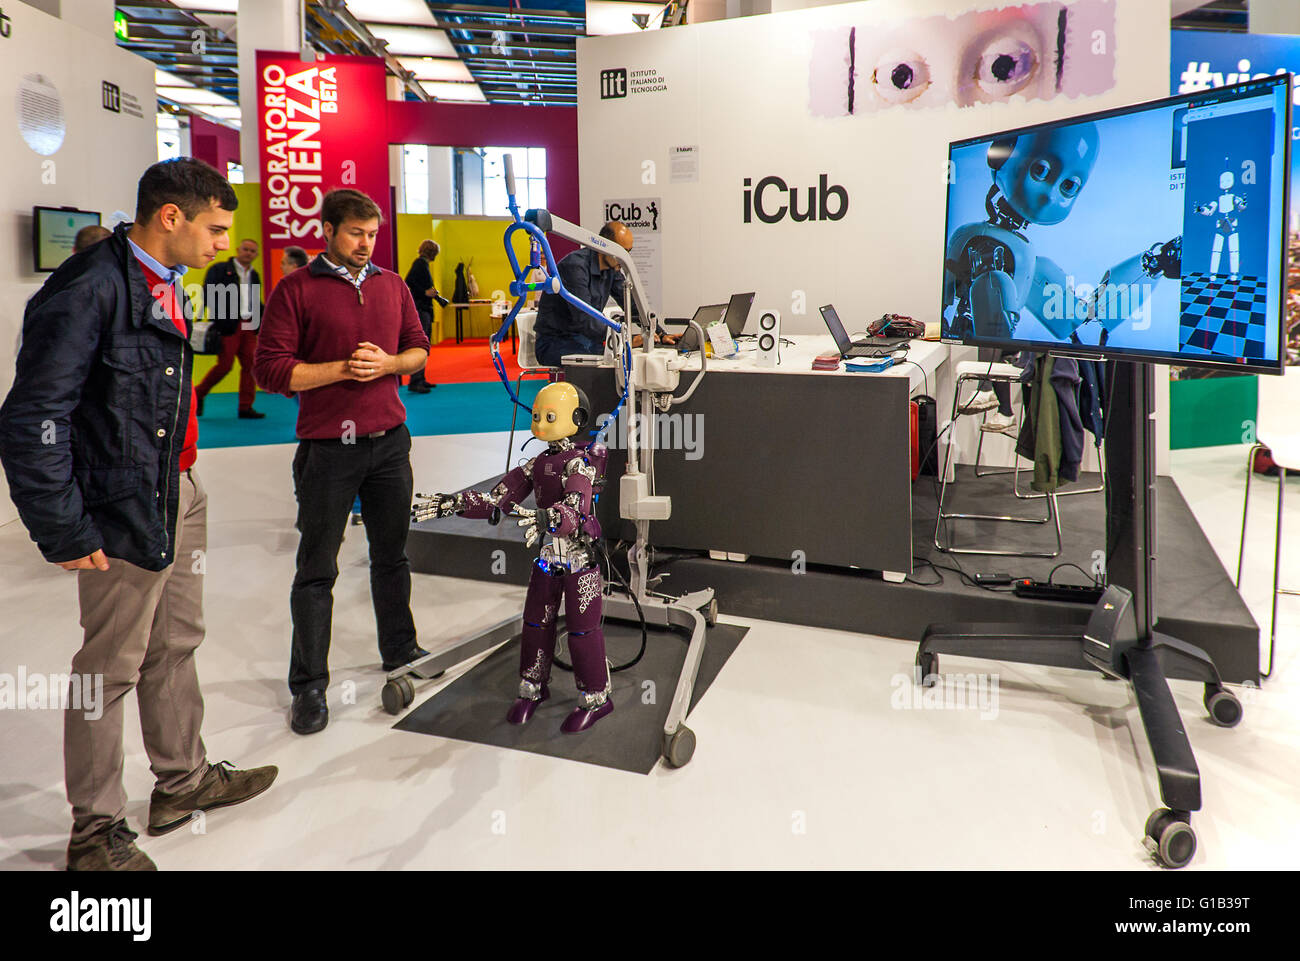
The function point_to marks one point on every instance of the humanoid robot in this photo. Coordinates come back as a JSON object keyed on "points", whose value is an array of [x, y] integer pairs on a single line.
{"points": [[563, 478], [1226, 207], [991, 271]]}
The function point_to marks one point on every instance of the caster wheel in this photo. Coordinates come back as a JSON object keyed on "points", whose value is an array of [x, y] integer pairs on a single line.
{"points": [[408, 690], [679, 748], [711, 613], [1170, 838], [391, 695], [1225, 710], [927, 667]]}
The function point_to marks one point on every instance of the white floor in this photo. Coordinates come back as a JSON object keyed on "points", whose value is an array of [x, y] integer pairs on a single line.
{"points": [[812, 751]]}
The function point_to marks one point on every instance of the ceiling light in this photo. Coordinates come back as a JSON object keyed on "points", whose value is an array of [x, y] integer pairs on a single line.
{"points": [[413, 12], [461, 92], [606, 17], [427, 68], [208, 6], [414, 41]]}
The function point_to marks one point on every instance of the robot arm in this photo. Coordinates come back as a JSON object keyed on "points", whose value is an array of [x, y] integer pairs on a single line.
{"points": [[512, 489], [1207, 210], [568, 516]]}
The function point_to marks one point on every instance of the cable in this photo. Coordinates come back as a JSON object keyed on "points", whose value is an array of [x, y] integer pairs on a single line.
{"points": [[1096, 581]]}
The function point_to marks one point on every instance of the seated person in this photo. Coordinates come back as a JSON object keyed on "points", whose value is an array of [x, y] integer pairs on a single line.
{"points": [[592, 277]]}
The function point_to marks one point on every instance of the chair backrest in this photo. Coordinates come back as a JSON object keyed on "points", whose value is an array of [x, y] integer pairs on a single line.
{"points": [[524, 321], [1279, 404]]}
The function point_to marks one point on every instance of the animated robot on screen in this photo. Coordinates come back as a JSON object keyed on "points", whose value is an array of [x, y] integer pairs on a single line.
{"points": [[991, 271], [566, 479]]}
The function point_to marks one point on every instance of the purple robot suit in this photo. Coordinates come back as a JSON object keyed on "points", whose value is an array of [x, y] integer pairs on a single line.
{"points": [[563, 479]]}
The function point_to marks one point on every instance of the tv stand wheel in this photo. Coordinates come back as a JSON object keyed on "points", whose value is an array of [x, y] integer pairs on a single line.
{"points": [[1224, 708], [679, 747], [711, 613], [927, 667], [1170, 838]]}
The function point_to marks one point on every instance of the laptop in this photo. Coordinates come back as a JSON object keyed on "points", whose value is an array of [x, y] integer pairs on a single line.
{"points": [[867, 347], [703, 316], [738, 312]]}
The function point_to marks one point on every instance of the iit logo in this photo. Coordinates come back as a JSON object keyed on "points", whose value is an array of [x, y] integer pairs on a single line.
{"points": [[613, 84], [112, 97]]}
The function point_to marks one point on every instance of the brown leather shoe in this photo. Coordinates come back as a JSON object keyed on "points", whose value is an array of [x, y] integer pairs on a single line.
{"points": [[222, 785], [112, 849]]}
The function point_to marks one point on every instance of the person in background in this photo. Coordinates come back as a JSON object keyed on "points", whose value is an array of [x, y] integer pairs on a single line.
{"points": [[88, 236], [233, 294], [98, 440], [340, 334], [419, 279], [291, 258]]}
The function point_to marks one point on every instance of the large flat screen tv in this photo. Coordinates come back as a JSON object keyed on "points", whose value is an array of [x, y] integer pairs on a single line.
{"points": [[1155, 232], [53, 231]]}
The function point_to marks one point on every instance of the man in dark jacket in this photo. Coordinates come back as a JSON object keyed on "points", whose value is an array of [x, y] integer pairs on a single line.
{"points": [[419, 280], [340, 333], [593, 278], [98, 441], [232, 293]]}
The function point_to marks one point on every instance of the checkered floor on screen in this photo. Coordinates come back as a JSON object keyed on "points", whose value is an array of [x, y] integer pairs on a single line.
{"points": [[1222, 317]]}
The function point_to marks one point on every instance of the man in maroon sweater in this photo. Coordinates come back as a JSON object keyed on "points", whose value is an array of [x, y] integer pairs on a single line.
{"points": [[340, 334]]}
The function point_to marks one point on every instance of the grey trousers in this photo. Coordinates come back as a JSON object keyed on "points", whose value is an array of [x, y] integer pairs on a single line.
{"points": [[141, 631]]}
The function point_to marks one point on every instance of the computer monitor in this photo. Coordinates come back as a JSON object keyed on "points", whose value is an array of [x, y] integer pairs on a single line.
{"points": [[53, 231], [836, 328], [1154, 232], [738, 312]]}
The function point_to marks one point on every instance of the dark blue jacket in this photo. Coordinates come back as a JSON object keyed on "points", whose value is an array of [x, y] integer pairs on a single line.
{"points": [[92, 430], [581, 275]]}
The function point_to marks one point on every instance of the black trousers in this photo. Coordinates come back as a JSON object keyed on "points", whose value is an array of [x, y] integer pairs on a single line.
{"points": [[426, 321], [328, 476]]}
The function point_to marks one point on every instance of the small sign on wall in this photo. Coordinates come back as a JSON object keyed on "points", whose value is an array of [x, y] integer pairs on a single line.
{"points": [[684, 164], [644, 217]]}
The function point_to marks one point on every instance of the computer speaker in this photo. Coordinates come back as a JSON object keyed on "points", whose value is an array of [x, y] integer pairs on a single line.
{"points": [[769, 338]]}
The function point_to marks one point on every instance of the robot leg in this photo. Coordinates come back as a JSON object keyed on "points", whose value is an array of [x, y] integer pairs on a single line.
{"points": [[1234, 253], [582, 606], [536, 644], [1217, 254]]}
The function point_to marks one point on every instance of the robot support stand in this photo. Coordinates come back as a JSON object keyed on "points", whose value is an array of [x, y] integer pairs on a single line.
{"points": [[1120, 639]]}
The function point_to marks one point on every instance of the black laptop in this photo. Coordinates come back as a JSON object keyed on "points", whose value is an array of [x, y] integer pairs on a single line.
{"points": [[708, 314], [867, 347]]}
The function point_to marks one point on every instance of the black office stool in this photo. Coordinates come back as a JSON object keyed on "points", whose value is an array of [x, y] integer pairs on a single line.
{"points": [[975, 372]]}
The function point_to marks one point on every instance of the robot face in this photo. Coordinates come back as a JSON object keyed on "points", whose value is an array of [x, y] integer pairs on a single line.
{"points": [[1226, 180], [558, 412], [1045, 171]]}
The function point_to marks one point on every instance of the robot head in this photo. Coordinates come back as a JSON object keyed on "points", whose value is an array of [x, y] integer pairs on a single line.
{"points": [[1226, 180], [560, 410], [1040, 174]]}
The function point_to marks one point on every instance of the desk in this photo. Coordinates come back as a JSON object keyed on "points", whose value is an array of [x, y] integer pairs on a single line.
{"points": [[483, 306], [808, 466]]}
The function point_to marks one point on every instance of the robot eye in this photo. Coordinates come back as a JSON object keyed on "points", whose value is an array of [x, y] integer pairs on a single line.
{"points": [[1040, 170], [1005, 67], [1070, 186], [901, 78], [550, 417], [537, 417]]}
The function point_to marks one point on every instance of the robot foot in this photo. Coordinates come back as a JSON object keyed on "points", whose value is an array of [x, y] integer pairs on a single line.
{"points": [[523, 707], [582, 718]]}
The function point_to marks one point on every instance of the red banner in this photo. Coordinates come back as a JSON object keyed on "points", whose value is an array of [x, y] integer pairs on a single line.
{"points": [[321, 126]]}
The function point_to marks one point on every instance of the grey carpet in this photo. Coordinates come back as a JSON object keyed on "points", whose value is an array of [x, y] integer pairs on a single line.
{"points": [[473, 707]]}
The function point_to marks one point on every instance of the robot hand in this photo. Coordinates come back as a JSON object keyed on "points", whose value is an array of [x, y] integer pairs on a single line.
{"points": [[533, 523], [1206, 209], [1164, 259], [436, 505]]}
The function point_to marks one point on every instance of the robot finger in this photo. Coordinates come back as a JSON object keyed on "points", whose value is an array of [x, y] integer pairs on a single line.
{"points": [[531, 537]]}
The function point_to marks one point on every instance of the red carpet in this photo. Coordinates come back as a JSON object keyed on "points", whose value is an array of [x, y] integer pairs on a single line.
{"points": [[467, 362]]}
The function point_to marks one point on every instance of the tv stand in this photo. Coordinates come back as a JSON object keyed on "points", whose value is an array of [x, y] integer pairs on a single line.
{"points": [[1120, 640]]}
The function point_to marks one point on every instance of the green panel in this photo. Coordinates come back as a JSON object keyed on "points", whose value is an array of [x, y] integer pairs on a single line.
{"points": [[1212, 411]]}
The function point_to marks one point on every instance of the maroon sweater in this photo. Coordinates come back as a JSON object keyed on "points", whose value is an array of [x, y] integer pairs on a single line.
{"points": [[315, 316]]}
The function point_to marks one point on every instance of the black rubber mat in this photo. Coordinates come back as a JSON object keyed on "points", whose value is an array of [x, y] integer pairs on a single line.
{"points": [[473, 707]]}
